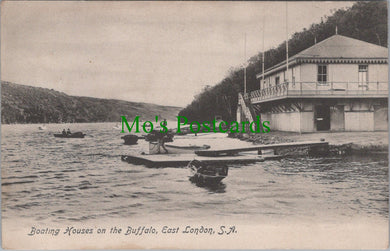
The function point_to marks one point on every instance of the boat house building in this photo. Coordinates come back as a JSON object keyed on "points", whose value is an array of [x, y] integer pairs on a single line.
{"points": [[339, 84]]}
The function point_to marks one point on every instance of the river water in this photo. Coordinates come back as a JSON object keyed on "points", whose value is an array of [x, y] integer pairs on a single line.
{"points": [[47, 179]]}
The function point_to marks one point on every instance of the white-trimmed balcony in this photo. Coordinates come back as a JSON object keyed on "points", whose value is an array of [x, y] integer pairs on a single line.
{"points": [[319, 90]]}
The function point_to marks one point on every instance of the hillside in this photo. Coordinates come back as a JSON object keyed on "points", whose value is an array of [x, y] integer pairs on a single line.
{"points": [[366, 21], [27, 104]]}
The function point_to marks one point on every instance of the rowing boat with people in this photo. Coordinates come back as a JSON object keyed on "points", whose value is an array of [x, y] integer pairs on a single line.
{"points": [[70, 135]]}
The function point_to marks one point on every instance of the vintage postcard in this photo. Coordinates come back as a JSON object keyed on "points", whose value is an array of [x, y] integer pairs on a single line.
{"points": [[194, 125]]}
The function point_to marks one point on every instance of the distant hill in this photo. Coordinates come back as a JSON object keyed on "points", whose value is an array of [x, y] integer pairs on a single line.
{"points": [[27, 104]]}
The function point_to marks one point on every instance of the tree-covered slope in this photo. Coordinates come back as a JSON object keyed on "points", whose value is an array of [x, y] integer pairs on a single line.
{"points": [[366, 21]]}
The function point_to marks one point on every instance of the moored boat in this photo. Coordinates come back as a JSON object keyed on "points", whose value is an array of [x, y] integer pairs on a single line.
{"points": [[206, 175], [174, 149], [130, 139], [70, 135]]}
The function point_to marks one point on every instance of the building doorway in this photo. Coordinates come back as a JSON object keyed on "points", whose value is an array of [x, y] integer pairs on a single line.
{"points": [[322, 117], [381, 119], [337, 118]]}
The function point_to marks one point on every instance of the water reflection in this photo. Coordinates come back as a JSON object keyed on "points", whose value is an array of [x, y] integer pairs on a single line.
{"points": [[219, 188], [212, 188]]}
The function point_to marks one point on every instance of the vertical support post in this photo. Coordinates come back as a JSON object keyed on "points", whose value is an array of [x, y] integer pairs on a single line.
{"points": [[300, 87], [331, 88], [377, 87], [287, 89]]}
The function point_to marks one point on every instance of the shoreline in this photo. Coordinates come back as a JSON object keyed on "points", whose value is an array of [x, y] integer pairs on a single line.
{"points": [[355, 142]]}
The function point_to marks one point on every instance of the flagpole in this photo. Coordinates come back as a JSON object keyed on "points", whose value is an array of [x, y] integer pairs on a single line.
{"points": [[287, 40], [263, 58], [245, 64]]}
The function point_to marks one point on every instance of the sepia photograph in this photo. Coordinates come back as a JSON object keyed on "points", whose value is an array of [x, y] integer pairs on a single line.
{"points": [[194, 125]]}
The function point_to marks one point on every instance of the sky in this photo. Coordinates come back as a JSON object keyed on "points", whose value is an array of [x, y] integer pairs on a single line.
{"points": [[155, 52]]}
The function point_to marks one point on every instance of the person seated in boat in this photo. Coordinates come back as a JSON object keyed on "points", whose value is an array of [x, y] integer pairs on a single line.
{"points": [[68, 132], [63, 132]]}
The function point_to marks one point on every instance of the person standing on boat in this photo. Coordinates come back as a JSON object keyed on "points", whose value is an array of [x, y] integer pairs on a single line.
{"points": [[68, 132], [156, 138], [63, 132], [162, 144], [161, 139], [164, 138]]}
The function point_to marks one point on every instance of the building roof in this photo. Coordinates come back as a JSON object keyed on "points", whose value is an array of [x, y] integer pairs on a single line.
{"points": [[338, 46], [335, 49]]}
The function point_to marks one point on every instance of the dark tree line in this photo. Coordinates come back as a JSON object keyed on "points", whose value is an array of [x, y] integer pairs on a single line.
{"points": [[366, 21]]}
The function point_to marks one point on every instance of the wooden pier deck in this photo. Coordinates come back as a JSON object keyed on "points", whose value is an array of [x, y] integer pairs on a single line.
{"points": [[234, 151], [177, 160]]}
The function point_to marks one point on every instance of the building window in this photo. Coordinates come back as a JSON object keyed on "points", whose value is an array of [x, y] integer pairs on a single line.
{"points": [[322, 74], [363, 74], [277, 80]]}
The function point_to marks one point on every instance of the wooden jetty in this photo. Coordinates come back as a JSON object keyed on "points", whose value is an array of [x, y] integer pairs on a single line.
{"points": [[175, 160], [235, 151], [222, 156]]}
